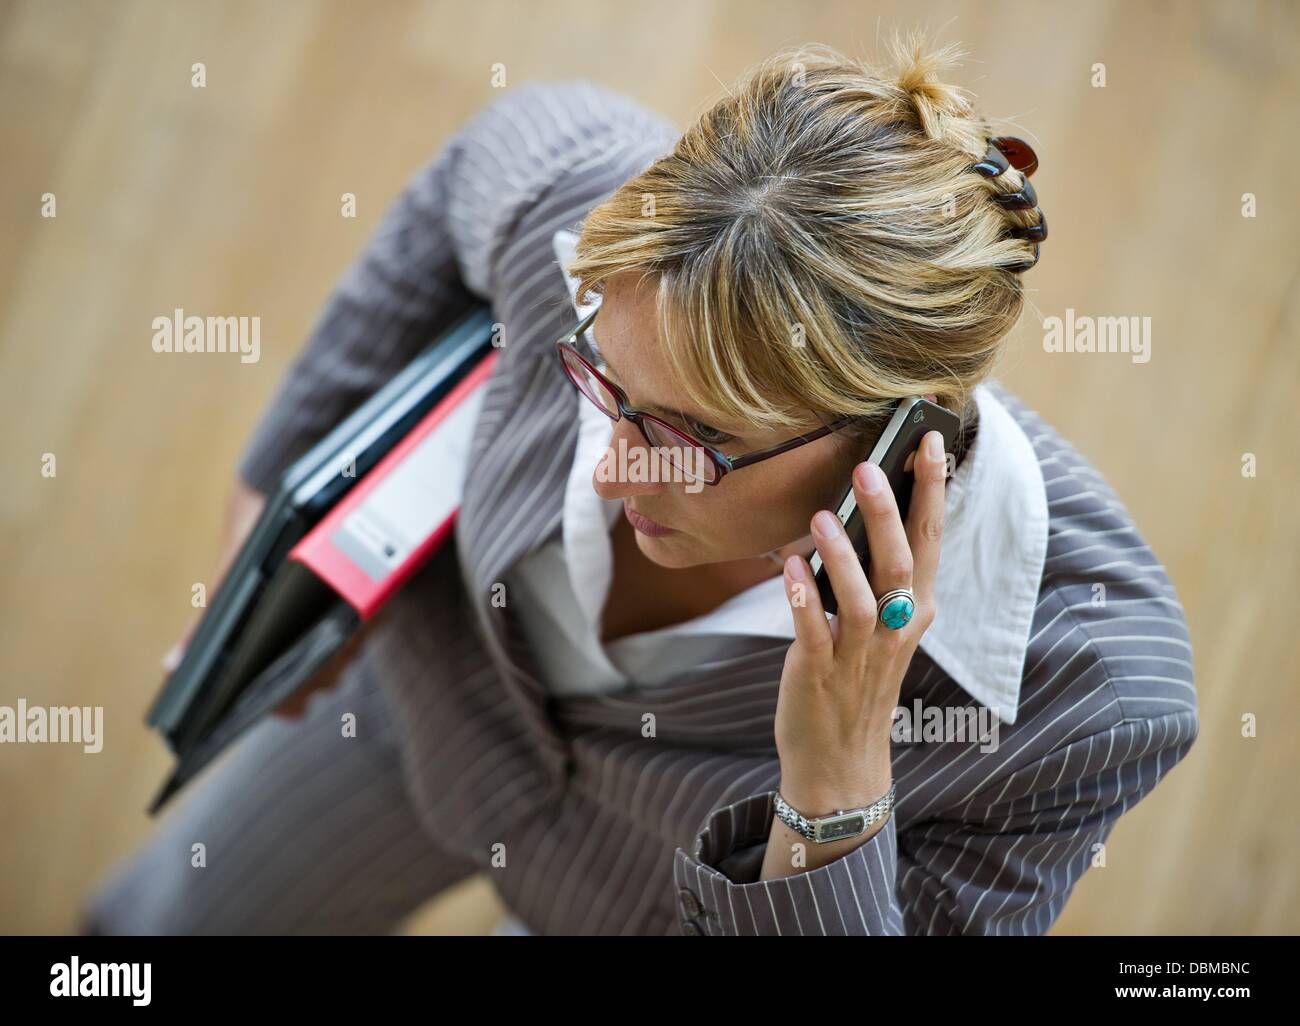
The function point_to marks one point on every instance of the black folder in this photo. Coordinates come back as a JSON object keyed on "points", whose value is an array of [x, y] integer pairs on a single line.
{"points": [[272, 622]]}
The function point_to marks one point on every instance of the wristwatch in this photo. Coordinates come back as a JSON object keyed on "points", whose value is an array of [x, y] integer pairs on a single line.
{"points": [[840, 824]]}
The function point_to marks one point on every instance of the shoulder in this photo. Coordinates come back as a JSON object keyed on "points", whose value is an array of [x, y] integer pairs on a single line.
{"points": [[572, 109], [539, 129], [1109, 644], [536, 158]]}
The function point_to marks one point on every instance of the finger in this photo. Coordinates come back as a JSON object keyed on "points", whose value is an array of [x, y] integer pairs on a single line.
{"points": [[325, 678], [925, 515], [291, 708], [891, 555], [174, 654], [856, 615], [811, 628], [173, 658]]}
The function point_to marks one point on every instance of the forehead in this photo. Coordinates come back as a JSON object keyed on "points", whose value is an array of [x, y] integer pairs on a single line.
{"points": [[626, 334], [626, 340]]}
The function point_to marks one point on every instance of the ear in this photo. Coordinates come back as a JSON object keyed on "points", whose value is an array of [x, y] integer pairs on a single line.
{"points": [[931, 396]]}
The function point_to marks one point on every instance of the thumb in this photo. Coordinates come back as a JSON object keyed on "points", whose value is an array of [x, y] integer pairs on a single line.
{"points": [[173, 657], [174, 654]]}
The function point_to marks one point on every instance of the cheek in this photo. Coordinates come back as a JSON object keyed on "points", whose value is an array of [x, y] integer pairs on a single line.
{"points": [[827, 491], [821, 485], [762, 507], [835, 474]]}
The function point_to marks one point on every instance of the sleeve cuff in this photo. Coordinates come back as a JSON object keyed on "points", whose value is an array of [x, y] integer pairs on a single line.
{"points": [[719, 894]]}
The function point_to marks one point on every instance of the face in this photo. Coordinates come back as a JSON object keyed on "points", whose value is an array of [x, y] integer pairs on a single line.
{"points": [[751, 511]]}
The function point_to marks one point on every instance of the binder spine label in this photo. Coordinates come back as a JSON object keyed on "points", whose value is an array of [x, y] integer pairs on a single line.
{"points": [[404, 509], [413, 500]]}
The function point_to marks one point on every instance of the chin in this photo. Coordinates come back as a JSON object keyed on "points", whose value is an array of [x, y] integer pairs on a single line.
{"points": [[663, 551]]}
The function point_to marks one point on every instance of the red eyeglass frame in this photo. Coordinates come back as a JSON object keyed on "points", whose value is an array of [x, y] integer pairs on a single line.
{"points": [[723, 463]]}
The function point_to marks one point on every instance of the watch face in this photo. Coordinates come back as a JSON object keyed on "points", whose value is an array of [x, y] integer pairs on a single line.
{"points": [[841, 826]]}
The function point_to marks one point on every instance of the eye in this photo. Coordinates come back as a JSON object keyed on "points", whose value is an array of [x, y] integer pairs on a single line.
{"points": [[710, 436], [706, 434]]}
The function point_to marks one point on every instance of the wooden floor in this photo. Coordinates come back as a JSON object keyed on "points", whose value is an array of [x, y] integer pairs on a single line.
{"points": [[226, 198]]}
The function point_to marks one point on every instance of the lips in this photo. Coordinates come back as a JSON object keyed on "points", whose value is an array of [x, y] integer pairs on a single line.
{"points": [[644, 524], [645, 519]]}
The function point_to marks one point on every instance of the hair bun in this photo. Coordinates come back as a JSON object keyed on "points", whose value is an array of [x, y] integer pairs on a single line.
{"points": [[917, 72]]}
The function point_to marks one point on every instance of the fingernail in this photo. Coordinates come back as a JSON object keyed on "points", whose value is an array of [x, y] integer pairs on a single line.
{"points": [[871, 477], [794, 567], [826, 524], [934, 443]]}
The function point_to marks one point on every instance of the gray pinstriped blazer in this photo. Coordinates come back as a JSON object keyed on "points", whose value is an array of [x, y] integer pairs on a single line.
{"points": [[607, 832]]}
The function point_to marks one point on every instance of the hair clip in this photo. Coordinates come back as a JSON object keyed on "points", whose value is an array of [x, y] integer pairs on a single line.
{"points": [[1023, 199], [1031, 232], [1006, 151], [1020, 153], [993, 164]]}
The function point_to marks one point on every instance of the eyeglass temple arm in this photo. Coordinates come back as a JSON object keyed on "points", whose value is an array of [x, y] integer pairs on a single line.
{"points": [[811, 436]]}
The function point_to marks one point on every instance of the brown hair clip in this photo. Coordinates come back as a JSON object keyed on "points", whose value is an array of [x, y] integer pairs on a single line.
{"points": [[1020, 153], [1007, 151]]}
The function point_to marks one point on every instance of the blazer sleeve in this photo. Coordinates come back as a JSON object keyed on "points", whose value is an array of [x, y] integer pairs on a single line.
{"points": [[436, 249], [1005, 866]]}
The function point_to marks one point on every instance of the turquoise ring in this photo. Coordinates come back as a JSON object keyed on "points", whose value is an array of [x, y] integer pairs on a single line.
{"points": [[895, 608]]}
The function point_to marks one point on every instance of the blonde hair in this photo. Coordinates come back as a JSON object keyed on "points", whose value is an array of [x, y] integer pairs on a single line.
{"points": [[820, 243]]}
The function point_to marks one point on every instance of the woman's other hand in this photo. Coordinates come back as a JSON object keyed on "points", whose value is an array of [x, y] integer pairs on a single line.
{"points": [[243, 506]]}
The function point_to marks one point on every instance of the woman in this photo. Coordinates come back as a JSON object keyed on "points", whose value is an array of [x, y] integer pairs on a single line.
{"points": [[617, 694]]}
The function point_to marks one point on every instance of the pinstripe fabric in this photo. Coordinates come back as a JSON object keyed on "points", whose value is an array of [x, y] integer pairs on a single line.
{"points": [[304, 831], [604, 830]]}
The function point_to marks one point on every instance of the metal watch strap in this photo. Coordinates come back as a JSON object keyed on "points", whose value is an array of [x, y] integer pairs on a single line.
{"points": [[839, 824]]}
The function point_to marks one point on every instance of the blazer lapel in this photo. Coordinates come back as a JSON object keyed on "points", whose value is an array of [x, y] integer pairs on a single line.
{"points": [[512, 501]]}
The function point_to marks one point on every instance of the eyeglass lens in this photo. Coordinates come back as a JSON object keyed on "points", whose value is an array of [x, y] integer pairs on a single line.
{"points": [[681, 451]]}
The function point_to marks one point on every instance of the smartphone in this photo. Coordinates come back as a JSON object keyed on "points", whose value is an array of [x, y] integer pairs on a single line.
{"points": [[912, 419]]}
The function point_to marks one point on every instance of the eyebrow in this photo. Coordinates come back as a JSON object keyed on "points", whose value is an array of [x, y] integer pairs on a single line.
{"points": [[681, 414]]}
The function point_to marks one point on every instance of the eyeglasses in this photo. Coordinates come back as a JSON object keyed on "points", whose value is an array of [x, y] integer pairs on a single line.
{"points": [[697, 460]]}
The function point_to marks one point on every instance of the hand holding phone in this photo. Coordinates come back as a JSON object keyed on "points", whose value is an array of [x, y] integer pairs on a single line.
{"points": [[843, 674], [912, 419]]}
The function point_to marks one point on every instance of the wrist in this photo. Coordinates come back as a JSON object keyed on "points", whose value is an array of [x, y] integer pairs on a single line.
{"points": [[823, 793], [839, 828], [825, 801]]}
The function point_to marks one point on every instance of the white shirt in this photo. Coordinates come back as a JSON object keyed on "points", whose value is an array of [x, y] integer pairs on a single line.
{"points": [[986, 589]]}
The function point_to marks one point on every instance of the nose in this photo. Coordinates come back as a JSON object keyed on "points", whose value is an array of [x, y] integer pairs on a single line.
{"points": [[628, 466]]}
